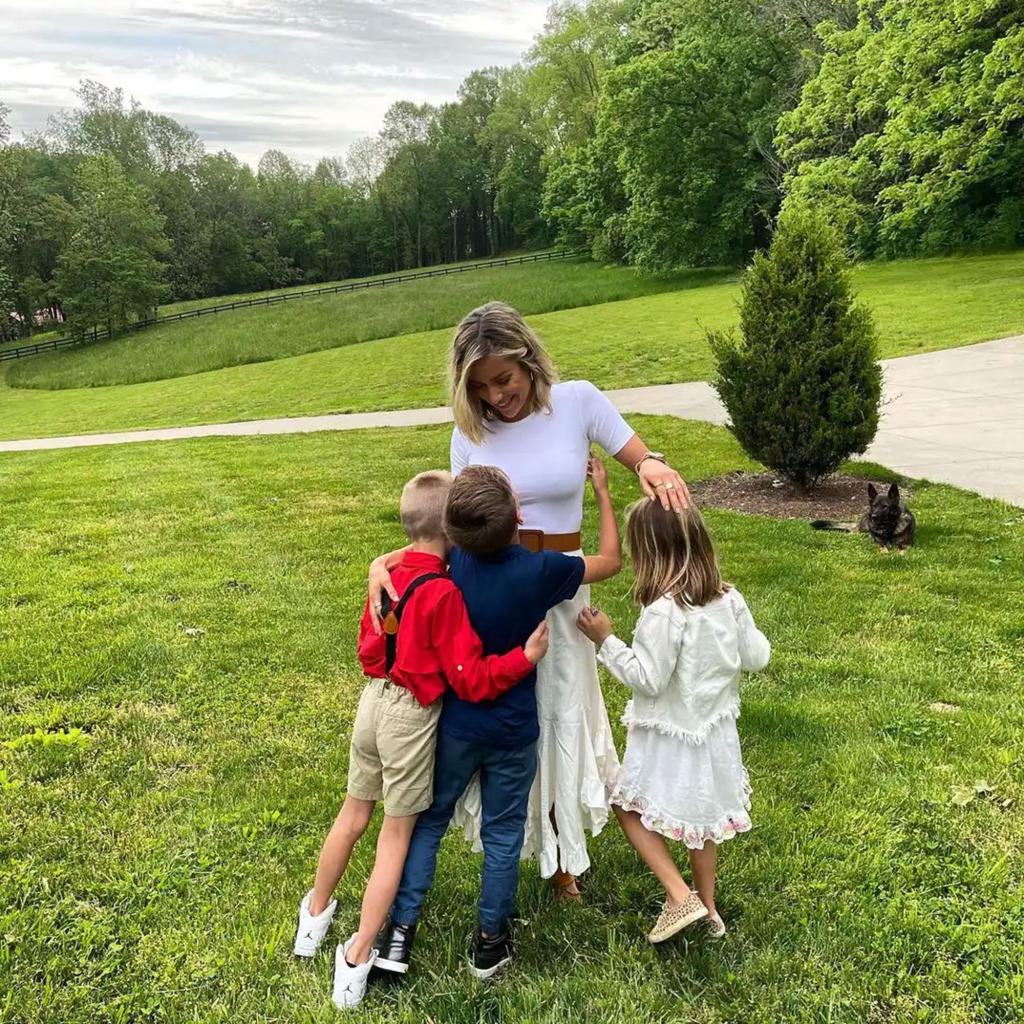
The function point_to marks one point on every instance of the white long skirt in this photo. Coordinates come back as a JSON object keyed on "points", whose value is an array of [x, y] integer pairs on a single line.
{"points": [[576, 759]]}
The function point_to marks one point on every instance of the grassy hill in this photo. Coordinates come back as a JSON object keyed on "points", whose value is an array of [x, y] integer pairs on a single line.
{"points": [[919, 306], [258, 334], [177, 627], [212, 300]]}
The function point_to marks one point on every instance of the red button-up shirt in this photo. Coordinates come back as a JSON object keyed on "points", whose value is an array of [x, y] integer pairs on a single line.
{"points": [[436, 645]]}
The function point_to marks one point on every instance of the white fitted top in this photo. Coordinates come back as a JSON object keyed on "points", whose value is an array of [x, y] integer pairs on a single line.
{"points": [[545, 454]]}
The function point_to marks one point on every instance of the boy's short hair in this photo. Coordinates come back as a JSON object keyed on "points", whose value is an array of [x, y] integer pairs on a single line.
{"points": [[482, 514], [422, 505]]}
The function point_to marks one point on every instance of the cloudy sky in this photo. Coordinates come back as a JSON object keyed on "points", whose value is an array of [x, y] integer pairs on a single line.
{"points": [[305, 76]]}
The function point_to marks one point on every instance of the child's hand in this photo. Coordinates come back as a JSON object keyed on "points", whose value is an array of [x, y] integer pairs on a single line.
{"points": [[598, 475], [593, 623], [537, 645]]}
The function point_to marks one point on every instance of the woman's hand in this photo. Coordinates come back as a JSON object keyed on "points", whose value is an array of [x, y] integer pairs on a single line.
{"points": [[380, 581], [594, 624], [663, 483]]}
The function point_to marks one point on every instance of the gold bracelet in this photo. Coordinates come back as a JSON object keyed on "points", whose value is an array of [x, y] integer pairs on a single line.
{"points": [[649, 455]]}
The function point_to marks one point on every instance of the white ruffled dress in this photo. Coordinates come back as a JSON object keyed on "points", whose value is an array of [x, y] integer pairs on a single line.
{"points": [[545, 456], [683, 770]]}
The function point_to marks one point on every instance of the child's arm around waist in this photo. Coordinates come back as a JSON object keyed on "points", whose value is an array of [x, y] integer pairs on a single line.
{"points": [[473, 675], [647, 666], [753, 644]]}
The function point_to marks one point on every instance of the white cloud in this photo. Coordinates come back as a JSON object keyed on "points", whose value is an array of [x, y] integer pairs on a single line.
{"points": [[306, 76]]}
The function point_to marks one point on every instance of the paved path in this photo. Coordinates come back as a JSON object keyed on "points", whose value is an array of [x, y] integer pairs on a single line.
{"points": [[955, 416]]}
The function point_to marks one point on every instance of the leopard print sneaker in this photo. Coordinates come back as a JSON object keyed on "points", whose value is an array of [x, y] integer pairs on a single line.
{"points": [[673, 920]]}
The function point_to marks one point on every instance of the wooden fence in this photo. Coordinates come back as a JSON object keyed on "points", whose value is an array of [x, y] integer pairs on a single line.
{"points": [[53, 344]]}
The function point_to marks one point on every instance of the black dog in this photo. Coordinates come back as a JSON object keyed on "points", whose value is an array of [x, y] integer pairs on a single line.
{"points": [[887, 521]]}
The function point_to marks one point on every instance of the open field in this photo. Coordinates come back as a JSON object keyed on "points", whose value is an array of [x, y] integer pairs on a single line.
{"points": [[213, 300], [649, 340], [176, 634], [332, 321], [920, 305]]}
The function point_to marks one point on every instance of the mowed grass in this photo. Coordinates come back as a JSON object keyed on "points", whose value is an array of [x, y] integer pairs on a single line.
{"points": [[259, 334], [920, 305], [650, 340], [213, 300], [191, 608]]}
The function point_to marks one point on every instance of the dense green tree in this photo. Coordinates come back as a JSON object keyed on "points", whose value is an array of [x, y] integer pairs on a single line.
{"points": [[802, 384], [658, 132], [110, 272], [688, 118], [566, 66], [912, 132], [142, 142]]}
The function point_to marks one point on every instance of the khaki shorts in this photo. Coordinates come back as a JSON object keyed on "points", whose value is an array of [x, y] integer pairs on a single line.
{"points": [[392, 752]]}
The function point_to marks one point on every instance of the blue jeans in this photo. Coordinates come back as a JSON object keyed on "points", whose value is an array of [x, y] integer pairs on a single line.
{"points": [[505, 780]]}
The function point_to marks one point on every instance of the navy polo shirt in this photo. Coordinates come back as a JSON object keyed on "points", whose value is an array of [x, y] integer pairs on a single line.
{"points": [[507, 595]]}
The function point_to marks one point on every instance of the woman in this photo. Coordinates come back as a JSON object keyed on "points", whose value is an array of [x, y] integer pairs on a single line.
{"points": [[510, 412]]}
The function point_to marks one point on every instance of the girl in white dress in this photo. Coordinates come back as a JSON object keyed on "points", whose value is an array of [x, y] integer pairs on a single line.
{"points": [[682, 777], [511, 412]]}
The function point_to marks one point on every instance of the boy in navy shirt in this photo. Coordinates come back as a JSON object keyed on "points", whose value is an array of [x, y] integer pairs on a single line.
{"points": [[507, 590]]}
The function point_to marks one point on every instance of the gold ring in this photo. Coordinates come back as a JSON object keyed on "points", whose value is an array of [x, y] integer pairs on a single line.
{"points": [[669, 486]]}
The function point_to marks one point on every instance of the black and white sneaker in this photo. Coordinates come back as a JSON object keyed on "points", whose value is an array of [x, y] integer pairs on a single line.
{"points": [[488, 956], [394, 947]]}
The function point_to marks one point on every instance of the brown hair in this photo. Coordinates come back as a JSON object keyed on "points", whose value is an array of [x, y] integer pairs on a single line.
{"points": [[672, 556], [482, 514], [494, 330], [422, 505]]}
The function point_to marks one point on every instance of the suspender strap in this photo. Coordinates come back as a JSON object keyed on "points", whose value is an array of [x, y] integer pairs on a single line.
{"points": [[392, 617]]}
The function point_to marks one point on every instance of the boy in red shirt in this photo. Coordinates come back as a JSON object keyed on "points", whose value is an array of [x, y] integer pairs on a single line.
{"points": [[395, 730]]}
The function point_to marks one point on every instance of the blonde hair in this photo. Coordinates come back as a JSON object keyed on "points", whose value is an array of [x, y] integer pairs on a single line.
{"points": [[672, 556], [422, 505], [494, 330]]}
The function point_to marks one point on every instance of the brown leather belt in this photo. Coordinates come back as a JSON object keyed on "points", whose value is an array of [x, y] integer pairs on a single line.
{"points": [[538, 540]]}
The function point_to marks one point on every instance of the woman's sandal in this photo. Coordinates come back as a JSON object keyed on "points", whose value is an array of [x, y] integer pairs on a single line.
{"points": [[566, 889]]}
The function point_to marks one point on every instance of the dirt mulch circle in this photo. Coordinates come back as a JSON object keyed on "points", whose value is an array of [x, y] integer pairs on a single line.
{"points": [[842, 498]]}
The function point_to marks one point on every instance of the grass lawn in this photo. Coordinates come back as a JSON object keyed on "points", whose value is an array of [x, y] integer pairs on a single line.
{"points": [[179, 684], [649, 340], [920, 305], [213, 300], [331, 321]]}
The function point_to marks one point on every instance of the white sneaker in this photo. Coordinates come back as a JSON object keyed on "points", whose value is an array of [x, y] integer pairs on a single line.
{"points": [[311, 930], [350, 982]]}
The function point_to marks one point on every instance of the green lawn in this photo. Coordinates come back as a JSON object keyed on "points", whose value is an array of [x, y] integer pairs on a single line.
{"points": [[151, 862], [331, 321], [650, 340], [213, 300], [920, 305]]}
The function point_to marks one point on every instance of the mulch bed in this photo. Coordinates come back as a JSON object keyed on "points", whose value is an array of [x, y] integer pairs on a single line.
{"points": [[842, 498]]}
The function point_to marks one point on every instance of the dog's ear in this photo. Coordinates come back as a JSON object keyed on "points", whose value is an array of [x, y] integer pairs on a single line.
{"points": [[894, 493], [872, 492]]}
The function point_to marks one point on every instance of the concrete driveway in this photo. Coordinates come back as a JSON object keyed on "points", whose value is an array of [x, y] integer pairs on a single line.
{"points": [[955, 416]]}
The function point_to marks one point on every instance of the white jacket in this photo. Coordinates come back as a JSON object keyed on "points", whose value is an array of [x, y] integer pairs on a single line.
{"points": [[684, 666]]}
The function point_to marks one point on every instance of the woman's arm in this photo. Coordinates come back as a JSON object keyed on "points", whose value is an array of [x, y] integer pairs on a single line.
{"points": [[657, 479], [380, 580]]}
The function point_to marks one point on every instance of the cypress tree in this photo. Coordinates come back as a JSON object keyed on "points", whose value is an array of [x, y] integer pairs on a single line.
{"points": [[802, 384]]}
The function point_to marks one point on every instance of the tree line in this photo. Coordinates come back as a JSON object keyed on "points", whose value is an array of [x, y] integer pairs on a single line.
{"points": [[654, 132]]}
